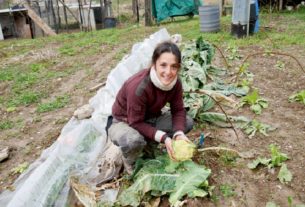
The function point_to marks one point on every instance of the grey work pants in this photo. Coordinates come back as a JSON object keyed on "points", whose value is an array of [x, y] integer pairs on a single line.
{"points": [[132, 142]]}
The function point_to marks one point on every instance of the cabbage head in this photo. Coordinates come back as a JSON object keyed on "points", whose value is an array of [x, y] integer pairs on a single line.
{"points": [[183, 150]]}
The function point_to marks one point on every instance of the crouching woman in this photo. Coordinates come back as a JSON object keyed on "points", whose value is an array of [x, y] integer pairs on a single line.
{"points": [[137, 117]]}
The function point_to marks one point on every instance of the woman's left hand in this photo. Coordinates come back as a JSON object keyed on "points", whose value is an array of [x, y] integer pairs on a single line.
{"points": [[182, 137]]}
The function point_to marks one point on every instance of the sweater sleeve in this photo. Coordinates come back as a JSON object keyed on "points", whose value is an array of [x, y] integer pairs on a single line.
{"points": [[177, 109], [136, 108]]}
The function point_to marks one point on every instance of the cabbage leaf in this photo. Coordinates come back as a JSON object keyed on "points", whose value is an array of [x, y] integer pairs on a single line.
{"points": [[162, 176]]}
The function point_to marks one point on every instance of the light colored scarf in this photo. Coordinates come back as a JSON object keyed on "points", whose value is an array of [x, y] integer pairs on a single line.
{"points": [[156, 81]]}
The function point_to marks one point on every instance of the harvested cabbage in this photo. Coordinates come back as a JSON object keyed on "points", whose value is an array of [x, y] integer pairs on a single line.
{"points": [[183, 150]]}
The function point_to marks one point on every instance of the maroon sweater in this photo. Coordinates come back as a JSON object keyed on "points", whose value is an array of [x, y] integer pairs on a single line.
{"points": [[139, 99]]}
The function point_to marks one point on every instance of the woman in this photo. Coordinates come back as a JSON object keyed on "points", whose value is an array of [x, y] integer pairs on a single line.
{"points": [[137, 117]]}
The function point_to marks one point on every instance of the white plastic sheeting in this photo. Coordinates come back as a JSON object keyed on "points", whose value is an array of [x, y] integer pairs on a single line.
{"points": [[45, 183]]}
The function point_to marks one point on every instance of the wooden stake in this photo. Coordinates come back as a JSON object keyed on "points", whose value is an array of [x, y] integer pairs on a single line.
{"points": [[32, 14]]}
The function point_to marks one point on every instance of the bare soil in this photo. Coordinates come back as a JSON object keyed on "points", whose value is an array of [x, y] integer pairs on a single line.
{"points": [[257, 187], [252, 188], [39, 131]]}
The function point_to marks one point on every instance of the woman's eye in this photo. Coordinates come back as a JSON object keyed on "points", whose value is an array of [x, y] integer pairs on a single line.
{"points": [[175, 67]]}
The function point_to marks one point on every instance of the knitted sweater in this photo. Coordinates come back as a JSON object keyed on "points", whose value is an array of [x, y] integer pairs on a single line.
{"points": [[139, 99]]}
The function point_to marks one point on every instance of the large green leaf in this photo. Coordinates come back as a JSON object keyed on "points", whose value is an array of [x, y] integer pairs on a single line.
{"points": [[255, 126], [255, 102], [220, 119], [162, 176], [202, 45], [251, 98], [258, 161], [215, 72], [197, 103], [226, 89], [151, 177], [284, 174], [191, 176]]}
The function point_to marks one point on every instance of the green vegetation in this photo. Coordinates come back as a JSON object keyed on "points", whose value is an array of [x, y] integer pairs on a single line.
{"points": [[255, 102], [25, 79], [59, 102], [298, 97], [280, 65], [233, 53], [162, 176], [228, 158], [277, 160], [255, 126], [290, 203], [20, 168], [227, 190], [6, 124]]}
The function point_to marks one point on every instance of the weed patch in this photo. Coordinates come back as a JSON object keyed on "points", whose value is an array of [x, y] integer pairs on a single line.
{"points": [[6, 124], [25, 98], [227, 190], [59, 102]]}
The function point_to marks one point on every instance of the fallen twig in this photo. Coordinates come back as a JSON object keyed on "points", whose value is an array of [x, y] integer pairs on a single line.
{"points": [[263, 53], [94, 88], [223, 111], [224, 58], [108, 185]]}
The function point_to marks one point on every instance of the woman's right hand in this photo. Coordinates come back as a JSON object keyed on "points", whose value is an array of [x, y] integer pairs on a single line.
{"points": [[169, 148]]}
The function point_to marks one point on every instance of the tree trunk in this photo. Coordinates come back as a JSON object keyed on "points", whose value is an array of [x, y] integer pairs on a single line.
{"points": [[138, 15], [281, 5], [134, 7], [102, 12], [65, 6], [65, 15], [58, 14], [89, 19], [47, 10], [54, 16], [148, 19], [80, 14]]}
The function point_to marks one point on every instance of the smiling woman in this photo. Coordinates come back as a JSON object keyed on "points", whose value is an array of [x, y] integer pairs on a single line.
{"points": [[137, 121]]}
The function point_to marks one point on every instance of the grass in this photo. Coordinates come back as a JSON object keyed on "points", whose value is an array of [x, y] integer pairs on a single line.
{"points": [[58, 103], [228, 159], [6, 125], [29, 81], [227, 190], [25, 98]]}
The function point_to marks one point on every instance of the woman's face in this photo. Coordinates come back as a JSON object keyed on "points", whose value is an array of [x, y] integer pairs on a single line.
{"points": [[167, 68]]}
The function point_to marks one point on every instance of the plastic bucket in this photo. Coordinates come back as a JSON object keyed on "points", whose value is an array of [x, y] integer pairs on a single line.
{"points": [[209, 18]]}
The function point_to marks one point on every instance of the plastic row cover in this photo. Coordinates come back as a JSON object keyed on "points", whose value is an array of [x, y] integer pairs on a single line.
{"points": [[45, 183]]}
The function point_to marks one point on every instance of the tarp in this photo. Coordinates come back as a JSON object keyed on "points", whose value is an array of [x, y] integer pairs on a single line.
{"points": [[75, 152], [163, 9]]}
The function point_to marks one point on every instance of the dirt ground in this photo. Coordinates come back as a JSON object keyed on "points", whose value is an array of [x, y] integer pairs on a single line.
{"points": [[40, 131], [257, 187], [252, 188]]}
